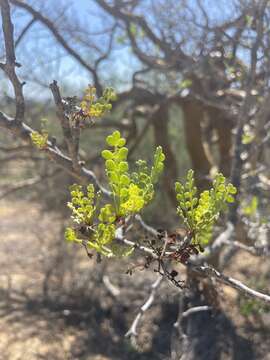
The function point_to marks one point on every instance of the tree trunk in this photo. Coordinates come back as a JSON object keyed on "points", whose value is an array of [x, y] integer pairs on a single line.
{"points": [[193, 115], [160, 123]]}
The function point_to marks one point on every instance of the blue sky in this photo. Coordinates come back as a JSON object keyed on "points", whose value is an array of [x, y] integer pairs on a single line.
{"points": [[39, 53]]}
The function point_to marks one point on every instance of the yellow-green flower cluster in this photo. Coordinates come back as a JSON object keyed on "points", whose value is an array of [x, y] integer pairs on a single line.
{"points": [[94, 107]]}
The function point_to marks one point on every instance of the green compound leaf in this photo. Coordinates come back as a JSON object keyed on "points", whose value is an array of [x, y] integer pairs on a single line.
{"points": [[134, 202], [107, 154], [122, 153], [107, 214], [70, 235], [115, 139], [130, 194], [82, 207], [110, 165], [199, 213], [158, 165], [40, 140]]}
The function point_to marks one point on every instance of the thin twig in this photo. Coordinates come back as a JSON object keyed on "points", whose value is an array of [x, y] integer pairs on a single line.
{"points": [[24, 132], [132, 332], [210, 271], [227, 280], [113, 290], [254, 250], [191, 311]]}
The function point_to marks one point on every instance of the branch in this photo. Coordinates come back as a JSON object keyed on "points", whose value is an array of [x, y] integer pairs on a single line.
{"points": [[131, 17], [10, 64], [132, 332], [146, 227], [253, 250], [195, 310], [50, 25], [24, 132], [8, 30], [71, 134], [113, 290], [210, 272], [24, 31], [172, 57]]}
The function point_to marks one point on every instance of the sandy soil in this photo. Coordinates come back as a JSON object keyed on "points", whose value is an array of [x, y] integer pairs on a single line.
{"points": [[54, 305]]}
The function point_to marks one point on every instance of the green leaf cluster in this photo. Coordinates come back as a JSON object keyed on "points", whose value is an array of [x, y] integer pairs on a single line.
{"points": [[130, 193], [40, 139], [94, 107], [84, 207], [200, 212]]}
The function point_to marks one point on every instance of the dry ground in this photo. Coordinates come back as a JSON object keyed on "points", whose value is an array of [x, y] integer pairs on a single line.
{"points": [[54, 305]]}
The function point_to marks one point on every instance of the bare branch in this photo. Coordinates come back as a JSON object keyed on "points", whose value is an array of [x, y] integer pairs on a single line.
{"points": [[227, 280], [113, 290], [24, 31], [24, 132], [49, 24], [207, 270], [195, 310], [132, 332], [71, 134], [9, 66], [253, 250]]}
